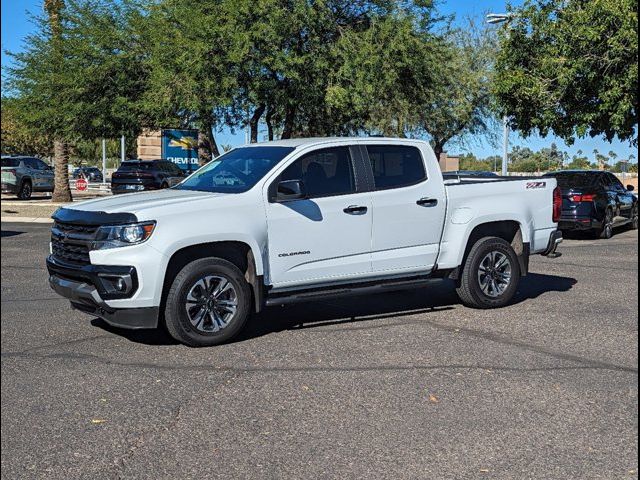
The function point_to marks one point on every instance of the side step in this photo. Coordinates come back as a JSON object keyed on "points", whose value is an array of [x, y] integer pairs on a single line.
{"points": [[308, 295]]}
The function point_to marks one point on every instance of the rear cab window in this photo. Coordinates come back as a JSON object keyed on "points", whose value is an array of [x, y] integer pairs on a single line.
{"points": [[396, 166]]}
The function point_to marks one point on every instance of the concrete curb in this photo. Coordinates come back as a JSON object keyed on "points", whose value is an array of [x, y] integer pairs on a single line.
{"points": [[26, 220]]}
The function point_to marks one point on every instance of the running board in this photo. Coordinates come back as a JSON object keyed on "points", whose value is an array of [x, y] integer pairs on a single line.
{"points": [[309, 295]]}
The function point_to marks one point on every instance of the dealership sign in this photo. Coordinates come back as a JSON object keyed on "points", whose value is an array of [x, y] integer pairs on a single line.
{"points": [[181, 148]]}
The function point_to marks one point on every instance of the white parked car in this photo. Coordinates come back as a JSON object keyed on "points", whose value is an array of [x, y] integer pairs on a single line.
{"points": [[287, 221]]}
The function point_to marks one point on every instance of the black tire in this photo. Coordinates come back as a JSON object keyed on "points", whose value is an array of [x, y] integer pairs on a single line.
{"points": [[164, 185], [177, 320], [470, 290], [634, 219], [606, 231], [25, 190]]}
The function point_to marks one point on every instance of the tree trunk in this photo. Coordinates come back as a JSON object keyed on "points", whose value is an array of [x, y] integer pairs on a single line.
{"points": [[254, 121], [269, 122], [438, 149], [204, 150], [289, 118], [215, 151], [61, 192]]}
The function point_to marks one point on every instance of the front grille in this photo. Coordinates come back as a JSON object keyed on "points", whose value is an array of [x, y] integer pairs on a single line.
{"points": [[71, 243]]}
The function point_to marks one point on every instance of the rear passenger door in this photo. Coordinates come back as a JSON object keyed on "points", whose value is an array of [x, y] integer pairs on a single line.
{"points": [[46, 175], [409, 205], [35, 173]]}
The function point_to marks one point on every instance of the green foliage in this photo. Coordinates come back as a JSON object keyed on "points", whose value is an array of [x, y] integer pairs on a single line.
{"points": [[83, 83], [523, 159], [571, 67], [17, 138]]}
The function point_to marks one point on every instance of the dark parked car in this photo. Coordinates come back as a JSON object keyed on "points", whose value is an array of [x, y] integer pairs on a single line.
{"points": [[91, 174], [595, 201], [139, 175], [24, 175]]}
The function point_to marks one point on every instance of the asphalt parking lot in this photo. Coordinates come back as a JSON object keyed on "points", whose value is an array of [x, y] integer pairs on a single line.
{"points": [[403, 385]]}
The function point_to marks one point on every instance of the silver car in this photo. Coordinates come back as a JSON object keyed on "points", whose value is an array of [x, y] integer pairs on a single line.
{"points": [[22, 176]]}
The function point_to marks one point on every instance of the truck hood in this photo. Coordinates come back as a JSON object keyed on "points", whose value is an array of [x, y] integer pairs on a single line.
{"points": [[139, 202]]}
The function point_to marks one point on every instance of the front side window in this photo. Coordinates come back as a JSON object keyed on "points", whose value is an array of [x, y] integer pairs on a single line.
{"points": [[236, 171], [326, 172], [396, 166]]}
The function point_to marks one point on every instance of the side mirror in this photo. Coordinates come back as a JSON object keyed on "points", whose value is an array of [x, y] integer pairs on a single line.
{"points": [[291, 190], [630, 188]]}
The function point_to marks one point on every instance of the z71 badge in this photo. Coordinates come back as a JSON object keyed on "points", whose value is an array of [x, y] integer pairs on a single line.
{"points": [[534, 185]]}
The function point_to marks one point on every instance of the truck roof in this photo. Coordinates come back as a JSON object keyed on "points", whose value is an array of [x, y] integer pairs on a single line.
{"points": [[298, 142]]}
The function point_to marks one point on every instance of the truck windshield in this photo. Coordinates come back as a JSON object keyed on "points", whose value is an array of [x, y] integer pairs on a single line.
{"points": [[236, 171]]}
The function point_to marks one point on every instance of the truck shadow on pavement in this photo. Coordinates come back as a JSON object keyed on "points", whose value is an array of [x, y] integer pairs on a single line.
{"points": [[9, 233], [347, 312]]}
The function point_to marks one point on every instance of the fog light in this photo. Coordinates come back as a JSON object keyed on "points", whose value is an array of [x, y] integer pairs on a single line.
{"points": [[121, 285]]}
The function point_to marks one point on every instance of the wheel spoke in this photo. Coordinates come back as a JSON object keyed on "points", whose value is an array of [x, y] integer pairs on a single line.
{"points": [[197, 320], [502, 262], [223, 287]]}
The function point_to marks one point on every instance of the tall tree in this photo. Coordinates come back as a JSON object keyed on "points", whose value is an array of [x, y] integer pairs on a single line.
{"points": [[460, 106], [79, 78], [61, 192], [571, 67]]}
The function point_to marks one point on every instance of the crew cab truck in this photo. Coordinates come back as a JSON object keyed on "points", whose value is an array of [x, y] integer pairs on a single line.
{"points": [[295, 220]]}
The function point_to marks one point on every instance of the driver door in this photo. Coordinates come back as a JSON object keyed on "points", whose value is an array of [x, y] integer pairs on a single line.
{"points": [[325, 236]]}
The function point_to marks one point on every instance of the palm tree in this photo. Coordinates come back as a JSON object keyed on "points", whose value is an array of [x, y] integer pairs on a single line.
{"points": [[61, 192]]}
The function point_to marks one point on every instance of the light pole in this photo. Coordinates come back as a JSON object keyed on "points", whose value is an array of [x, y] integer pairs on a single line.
{"points": [[495, 19]]}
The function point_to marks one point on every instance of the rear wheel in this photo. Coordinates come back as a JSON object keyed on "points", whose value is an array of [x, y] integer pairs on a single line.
{"points": [[634, 219], [208, 303], [25, 190], [606, 231], [490, 275], [164, 185]]}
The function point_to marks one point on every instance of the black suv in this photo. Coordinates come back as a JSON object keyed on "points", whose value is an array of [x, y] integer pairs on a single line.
{"points": [[595, 201], [139, 175], [91, 174]]}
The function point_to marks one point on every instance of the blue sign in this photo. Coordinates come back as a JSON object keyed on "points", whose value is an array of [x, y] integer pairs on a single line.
{"points": [[181, 148]]}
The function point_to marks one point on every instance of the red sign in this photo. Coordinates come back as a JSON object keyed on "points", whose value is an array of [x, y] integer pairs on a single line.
{"points": [[81, 184]]}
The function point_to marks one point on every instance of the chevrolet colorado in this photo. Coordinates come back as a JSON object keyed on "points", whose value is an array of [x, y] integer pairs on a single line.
{"points": [[294, 220]]}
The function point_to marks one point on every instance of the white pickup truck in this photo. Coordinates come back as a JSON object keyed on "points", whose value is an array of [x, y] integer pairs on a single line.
{"points": [[286, 221]]}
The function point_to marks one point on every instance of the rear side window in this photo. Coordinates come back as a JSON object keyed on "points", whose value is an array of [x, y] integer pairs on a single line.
{"points": [[10, 162], [396, 166], [326, 172]]}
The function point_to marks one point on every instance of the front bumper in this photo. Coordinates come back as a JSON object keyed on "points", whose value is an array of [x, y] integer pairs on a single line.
{"points": [[555, 239], [88, 286]]}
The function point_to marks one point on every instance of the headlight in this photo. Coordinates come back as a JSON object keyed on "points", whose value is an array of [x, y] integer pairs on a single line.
{"points": [[123, 235]]}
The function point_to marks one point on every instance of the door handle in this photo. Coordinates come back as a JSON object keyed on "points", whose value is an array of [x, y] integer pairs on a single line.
{"points": [[427, 202], [355, 210]]}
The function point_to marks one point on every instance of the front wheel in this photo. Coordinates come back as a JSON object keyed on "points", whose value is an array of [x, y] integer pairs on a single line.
{"points": [[490, 275], [208, 303]]}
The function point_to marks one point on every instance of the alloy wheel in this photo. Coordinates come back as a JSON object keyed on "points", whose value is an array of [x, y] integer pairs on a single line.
{"points": [[211, 303], [494, 274]]}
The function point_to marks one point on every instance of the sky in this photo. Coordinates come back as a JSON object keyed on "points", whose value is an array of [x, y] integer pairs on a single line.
{"points": [[16, 25]]}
